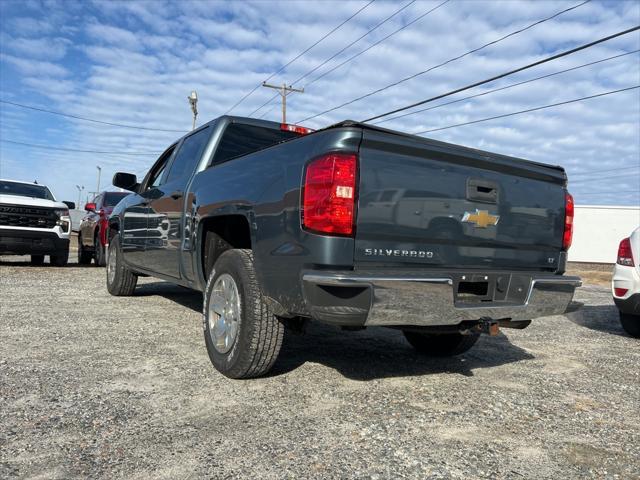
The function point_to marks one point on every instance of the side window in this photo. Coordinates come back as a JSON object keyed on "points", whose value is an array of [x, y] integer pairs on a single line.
{"points": [[188, 155], [155, 177], [98, 202], [154, 181]]}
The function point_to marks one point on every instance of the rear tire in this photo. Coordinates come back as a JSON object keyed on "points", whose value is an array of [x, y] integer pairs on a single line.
{"points": [[84, 257], [233, 302], [60, 259], [631, 324], [99, 252], [37, 259], [441, 345], [121, 281]]}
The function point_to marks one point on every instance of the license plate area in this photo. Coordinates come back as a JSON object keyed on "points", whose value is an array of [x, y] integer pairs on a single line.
{"points": [[474, 288], [477, 289]]}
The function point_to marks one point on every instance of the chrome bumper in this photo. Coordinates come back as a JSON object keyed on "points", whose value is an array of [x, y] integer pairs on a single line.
{"points": [[352, 298]]}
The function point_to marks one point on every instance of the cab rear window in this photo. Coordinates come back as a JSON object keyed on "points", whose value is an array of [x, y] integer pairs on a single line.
{"points": [[239, 140]]}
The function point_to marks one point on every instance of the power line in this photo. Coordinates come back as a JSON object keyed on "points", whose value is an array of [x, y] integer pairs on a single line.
{"points": [[355, 41], [605, 171], [296, 57], [586, 180], [611, 192], [301, 54], [528, 110], [378, 25], [267, 112], [510, 72], [374, 44], [516, 32], [264, 104], [505, 87], [86, 119], [47, 147]]}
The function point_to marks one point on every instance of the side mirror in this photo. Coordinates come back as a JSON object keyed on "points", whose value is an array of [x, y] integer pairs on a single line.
{"points": [[71, 205], [128, 181], [90, 207]]}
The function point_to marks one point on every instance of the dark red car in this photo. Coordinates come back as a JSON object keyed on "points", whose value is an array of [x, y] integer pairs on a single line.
{"points": [[92, 232]]}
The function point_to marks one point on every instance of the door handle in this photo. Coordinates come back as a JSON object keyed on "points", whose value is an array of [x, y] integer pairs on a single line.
{"points": [[481, 190], [177, 194]]}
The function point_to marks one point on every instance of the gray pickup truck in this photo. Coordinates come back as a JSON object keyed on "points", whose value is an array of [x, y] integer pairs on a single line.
{"points": [[351, 225]]}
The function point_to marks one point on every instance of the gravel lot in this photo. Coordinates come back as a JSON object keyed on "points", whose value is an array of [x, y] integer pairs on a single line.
{"points": [[103, 387]]}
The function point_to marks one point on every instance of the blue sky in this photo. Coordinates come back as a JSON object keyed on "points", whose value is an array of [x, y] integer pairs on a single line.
{"points": [[135, 63]]}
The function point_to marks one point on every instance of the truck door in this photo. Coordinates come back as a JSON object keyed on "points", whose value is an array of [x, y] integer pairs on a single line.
{"points": [[136, 213], [165, 218]]}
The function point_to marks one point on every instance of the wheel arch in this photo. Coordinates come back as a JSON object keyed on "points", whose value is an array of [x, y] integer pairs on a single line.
{"points": [[233, 228], [113, 227]]}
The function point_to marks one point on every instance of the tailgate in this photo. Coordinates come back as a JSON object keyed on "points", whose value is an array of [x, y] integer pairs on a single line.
{"points": [[423, 202]]}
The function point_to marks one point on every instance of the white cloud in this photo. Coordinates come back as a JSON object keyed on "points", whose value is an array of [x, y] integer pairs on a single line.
{"points": [[115, 36], [30, 67], [39, 48]]}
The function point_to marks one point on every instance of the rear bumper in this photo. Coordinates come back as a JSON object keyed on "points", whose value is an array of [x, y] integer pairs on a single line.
{"points": [[628, 279], [352, 298], [31, 242]]}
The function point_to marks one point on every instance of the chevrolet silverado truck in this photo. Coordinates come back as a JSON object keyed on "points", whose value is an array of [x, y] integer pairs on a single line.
{"points": [[33, 222], [278, 225]]}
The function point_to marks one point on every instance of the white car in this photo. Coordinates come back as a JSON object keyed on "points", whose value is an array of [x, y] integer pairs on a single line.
{"points": [[626, 283], [33, 222]]}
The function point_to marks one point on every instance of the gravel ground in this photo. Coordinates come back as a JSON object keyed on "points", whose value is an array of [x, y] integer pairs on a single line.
{"points": [[103, 387]]}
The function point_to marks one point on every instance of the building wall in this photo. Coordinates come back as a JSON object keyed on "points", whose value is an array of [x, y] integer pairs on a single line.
{"points": [[598, 231]]}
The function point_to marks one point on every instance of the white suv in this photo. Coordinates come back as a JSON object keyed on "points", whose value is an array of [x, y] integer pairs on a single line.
{"points": [[626, 283], [33, 222]]}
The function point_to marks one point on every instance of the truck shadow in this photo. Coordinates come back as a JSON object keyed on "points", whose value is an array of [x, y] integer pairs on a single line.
{"points": [[382, 353], [601, 318], [184, 296], [362, 355]]}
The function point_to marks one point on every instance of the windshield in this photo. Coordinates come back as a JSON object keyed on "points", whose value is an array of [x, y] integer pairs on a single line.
{"points": [[25, 190], [111, 199]]}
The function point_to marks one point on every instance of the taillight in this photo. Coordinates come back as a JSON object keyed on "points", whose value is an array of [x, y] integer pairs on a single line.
{"points": [[625, 255], [620, 292], [285, 127], [568, 221], [329, 194]]}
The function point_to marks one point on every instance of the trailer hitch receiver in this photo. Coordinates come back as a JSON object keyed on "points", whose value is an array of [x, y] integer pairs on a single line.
{"points": [[488, 326]]}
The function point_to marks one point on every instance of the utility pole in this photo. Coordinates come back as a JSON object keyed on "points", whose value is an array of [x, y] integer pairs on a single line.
{"points": [[99, 172], [193, 101], [283, 91]]}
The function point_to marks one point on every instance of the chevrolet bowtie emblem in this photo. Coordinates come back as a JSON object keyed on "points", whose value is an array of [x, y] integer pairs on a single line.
{"points": [[482, 218]]}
